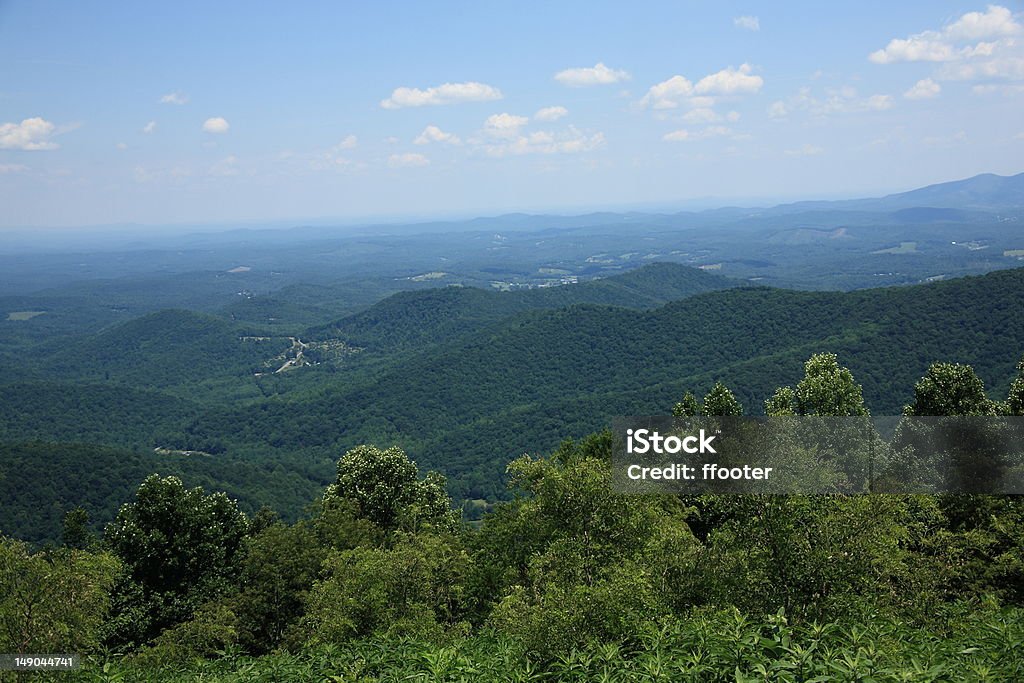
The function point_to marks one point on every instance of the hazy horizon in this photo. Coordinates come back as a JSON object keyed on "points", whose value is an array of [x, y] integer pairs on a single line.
{"points": [[192, 114]]}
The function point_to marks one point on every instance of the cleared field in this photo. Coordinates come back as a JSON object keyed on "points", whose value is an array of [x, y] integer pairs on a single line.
{"points": [[23, 315], [904, 248]]}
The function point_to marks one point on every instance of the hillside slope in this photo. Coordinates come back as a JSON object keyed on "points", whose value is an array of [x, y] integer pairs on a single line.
{"points": [[544, 374], [437, 315]]}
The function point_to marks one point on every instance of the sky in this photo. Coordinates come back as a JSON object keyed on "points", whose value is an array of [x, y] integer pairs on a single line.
{"points": [[191, 112]]}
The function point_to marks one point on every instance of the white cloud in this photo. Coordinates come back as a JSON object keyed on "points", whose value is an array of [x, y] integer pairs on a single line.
{"points": [[228, 166], [1003, 68], [447, 93], [748, 22], [843, 100], [805, 150], [408, 160], [349, 142], [994, 22], [878, 102], [504, 125], [571, 141], [701, 115], [149, 127], [668, 94], [551, 113], [684, 135], [992, 89], [174, 98], [672, 93], [121, 146], [12, 168], [599, 74], [924, 89], [435, 134], [778, 110], [31, 134], [730, 81], [217, 124], [924, 47], [681, 135], [942, 45]]}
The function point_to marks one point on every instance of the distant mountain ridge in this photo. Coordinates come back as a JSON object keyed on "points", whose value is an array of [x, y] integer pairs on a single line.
{"points": [[437, 315], [984, 192]]}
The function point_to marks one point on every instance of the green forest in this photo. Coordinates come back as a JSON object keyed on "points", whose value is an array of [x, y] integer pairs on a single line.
{"points": [[381, 580], [464, 380]]}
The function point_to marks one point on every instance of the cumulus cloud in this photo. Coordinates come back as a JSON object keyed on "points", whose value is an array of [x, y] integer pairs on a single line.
{"points": [[748, 22], [676, 91], [805, 150], [571, 141], [1002, 68], [668, 94], [31, 134], [992, 89], [551, 113], [178, 98], [701, 115], [994, 22], [447, 93], [924, 89], [149, 127], [946, 44], [349, 142], [216, 124], [843, 100], [599, 74], [778, 110], [434, 134], [730, 81], [408, 160], [504, 125], [684, 135]]}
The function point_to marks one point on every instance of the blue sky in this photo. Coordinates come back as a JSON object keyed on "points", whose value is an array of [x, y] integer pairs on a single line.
{"points": [[192, 112]]}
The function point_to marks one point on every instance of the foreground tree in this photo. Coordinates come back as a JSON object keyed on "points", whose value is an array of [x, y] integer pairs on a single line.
{"points": [[385, 487], [180, 548], [52, 601]]}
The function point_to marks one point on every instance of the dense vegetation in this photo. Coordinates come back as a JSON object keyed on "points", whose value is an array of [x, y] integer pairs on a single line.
{"points": [[569, 581], [463, 379]]}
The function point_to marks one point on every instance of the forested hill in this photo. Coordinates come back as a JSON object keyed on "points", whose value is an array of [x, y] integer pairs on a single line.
{"points": [[170, 348], [438, 315], [468, 406]]}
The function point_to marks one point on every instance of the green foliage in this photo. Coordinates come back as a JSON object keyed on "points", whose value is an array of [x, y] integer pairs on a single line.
{"points": [[574, 560], [828, 389], [687, 407], [712, 646], [384, 485], [278, 569], [76, 533], [414, 587], [721, 402], [1015, 400], [179, 548], [950, 389], [52, 601]]}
